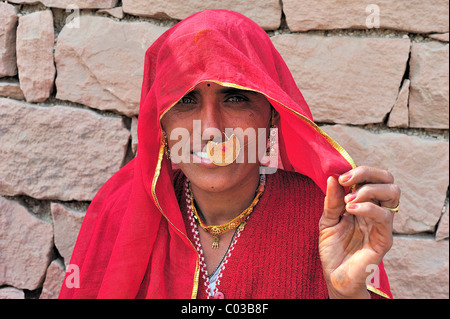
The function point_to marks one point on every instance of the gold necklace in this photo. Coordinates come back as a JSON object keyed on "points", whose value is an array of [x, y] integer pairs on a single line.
{"points": [[239, 221]]}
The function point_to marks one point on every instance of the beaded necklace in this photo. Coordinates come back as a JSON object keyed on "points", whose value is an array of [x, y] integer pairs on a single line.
{"points": [[239, 221], [194, 222]]}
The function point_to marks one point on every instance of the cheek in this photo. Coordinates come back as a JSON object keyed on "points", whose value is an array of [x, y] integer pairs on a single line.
{"points": [[258, 117], [170, 120], [259, 120], [176, 127], [255, 133], [264, 113]]}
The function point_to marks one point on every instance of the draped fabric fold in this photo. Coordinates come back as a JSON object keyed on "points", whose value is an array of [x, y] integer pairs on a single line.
{"points": [[133, 230]]}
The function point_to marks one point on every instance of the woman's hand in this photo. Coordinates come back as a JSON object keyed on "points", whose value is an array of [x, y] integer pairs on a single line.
{"points": [[356, 229]]}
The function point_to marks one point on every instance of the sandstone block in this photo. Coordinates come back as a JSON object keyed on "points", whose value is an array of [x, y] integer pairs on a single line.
{"points": [[58, 152], [11, 89], [26, 244], [134, 136], [115, 12], [11, 293], [82, 4], [417, 267], [429, 74], [66, 225], [443, 37], [266, 13], [413, 161], [53, 280], [443, 228], [24, 1], [8, 25], [343, 79], [35, 41], [406, 15], [101, 63], [399, 116]]}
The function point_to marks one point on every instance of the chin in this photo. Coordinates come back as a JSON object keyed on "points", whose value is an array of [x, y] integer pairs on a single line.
{"points": [[217, 178]]}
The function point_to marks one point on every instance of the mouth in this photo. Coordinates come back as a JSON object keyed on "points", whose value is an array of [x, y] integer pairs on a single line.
{"points": [[202, 159], [202, 155], [200, 152]]}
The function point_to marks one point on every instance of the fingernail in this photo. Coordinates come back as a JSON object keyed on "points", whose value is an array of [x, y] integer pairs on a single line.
{"points": [[350, 197], [353, 206], [345, 178]]}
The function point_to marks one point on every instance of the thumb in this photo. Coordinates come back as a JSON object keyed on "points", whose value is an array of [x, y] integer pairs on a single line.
{"points": [[334, 204]]}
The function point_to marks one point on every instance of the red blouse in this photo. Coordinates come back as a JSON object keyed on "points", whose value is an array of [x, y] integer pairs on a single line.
{"points": [[276, 255]]}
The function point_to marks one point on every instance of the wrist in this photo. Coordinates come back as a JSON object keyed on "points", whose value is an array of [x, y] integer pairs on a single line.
{"points": [[362, 293]]}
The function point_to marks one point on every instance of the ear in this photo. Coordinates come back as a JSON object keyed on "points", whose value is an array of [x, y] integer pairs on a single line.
{"points": [[275, 117]]}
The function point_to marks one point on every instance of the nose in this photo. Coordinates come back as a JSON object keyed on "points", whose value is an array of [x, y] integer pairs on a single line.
{"points": [[211, 117]]}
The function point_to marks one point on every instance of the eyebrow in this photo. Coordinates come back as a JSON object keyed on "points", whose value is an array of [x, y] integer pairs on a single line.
{"points": [[227, 90]]}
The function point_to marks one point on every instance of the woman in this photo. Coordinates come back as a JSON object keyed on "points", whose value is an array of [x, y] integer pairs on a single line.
{"points": [[197, 214]]}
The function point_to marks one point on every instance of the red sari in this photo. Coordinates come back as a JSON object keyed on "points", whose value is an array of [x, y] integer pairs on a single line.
{"points": [[134, 228]]}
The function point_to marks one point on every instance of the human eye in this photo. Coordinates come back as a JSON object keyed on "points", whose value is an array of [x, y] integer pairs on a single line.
{"points": [[186, 100], [236, 99], [186, 103]]}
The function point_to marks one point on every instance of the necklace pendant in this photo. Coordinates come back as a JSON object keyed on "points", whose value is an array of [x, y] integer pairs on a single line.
{"points": [[242, 226], [215, 243]]}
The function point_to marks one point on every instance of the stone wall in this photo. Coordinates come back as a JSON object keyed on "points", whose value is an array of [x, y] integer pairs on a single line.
{"points": [[375, 74]]}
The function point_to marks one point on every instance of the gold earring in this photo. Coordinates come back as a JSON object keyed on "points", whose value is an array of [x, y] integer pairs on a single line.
{"points": [[272, 142], [166, 146]]}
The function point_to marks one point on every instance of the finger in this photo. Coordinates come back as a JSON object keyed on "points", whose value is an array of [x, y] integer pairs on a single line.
{"points": [[334, 203], [370, 210], [365, 174], [382, 219], [387, 195]]}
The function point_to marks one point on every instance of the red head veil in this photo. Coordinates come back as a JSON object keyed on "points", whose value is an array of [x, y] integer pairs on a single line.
{"points": [[134, 224]]}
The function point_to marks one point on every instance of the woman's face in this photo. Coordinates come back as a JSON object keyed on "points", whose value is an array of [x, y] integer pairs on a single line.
{"points": [[207, 113]]}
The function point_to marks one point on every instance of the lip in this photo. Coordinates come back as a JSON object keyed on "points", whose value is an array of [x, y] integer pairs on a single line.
{"points": [[198, 150], [202, 160], [200, 157]]}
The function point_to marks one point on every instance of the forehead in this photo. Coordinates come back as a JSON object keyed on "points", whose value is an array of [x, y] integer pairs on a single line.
{"points": [[215, 88]]}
